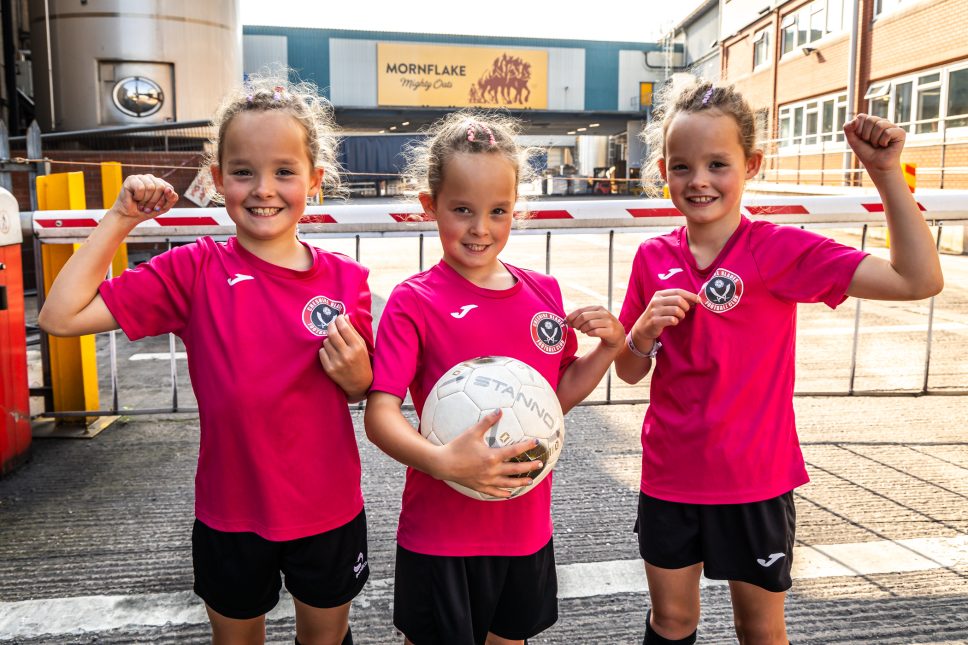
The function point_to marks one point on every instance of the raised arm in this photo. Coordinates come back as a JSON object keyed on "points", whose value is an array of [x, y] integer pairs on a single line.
{"points": [[73, 307], [914, 270]]}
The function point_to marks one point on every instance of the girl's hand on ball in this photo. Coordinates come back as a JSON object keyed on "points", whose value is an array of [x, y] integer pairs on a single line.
{"points": [[470, 462]]}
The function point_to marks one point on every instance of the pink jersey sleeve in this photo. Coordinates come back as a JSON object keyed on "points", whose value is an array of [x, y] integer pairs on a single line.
{"points": [[803, 266], [634, 303], [569, 354], [395, 361], [155, 297], [362, 317]]}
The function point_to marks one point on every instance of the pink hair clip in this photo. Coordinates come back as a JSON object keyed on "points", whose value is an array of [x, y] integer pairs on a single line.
{"points": [[705, 98], [248, 98], [277, 94], [470, 132]]}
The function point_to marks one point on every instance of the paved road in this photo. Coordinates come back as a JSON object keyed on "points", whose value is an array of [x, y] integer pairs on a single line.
{"points": [[94, 537], [94, 534]]}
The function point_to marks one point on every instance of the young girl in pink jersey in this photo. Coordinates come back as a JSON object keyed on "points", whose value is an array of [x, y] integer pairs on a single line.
{"points": [[713, 305], [279, 338], [471, 571]]}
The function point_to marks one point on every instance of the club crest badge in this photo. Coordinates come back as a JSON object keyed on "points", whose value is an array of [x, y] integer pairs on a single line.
{"points": [[722, 291], [548, 332], [319, 312]]}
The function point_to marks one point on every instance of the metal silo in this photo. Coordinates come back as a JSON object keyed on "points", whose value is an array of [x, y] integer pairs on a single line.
{"points": [[120, 62]]}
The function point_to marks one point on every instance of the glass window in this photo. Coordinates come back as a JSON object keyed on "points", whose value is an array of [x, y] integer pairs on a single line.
{"points": [[841, 120], [880, 6], [877, 89], [812, 122], [902, 105], [827, 118], [789, 33], [785, 124], [816, 22], [957, 107], [929, 109], [803, 25], [835, 15], [761, 46], [880, 105], [813, 127], [929, 78]]}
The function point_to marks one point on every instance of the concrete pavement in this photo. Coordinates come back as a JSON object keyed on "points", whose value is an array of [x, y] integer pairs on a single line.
{"points": [[94, 534]]}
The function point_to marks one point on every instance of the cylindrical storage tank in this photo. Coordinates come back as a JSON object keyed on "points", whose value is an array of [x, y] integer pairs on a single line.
{"points": [[115, 62], [592, 152]]}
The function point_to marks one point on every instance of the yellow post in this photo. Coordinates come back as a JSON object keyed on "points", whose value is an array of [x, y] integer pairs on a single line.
{"points": [[73, 365], [910, 175], [111, 181]]}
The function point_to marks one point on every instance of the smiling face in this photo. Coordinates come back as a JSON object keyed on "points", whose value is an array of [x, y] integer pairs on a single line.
{"points": [[474, 210], [265, 174], [706, 168]]}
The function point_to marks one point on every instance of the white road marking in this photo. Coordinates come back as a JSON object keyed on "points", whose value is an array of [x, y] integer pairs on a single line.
{"points": [[824, 561], [87, 614], [161, 356]]}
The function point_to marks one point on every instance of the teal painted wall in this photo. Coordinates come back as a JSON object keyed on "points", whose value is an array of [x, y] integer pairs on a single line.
{"points": [[308, 51]]}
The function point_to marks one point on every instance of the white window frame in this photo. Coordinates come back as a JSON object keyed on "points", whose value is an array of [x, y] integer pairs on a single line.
{"points": [[761, 37], [882, 7], [960, 130], [826, 136], [802, 21], [920, 83]]}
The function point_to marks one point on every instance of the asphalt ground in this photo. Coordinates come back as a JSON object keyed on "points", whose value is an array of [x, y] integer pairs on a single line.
{"points": [[95, 534]]}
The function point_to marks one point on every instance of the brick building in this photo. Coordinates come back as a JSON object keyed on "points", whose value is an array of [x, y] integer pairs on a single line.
{"points": [[792, 60]]}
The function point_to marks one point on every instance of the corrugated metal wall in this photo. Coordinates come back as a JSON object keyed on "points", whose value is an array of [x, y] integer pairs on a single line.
{"points": [[352, 72], [259, 52]]}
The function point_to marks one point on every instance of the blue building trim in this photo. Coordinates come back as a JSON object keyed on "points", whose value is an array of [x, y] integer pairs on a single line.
{"points": [[308, 50]]}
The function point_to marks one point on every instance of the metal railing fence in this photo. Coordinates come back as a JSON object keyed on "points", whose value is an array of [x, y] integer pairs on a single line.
{"points": [[605, 218]]}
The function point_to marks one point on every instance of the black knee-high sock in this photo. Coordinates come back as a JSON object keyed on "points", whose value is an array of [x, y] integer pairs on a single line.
{"points": [[651, 638], [347, 640]]}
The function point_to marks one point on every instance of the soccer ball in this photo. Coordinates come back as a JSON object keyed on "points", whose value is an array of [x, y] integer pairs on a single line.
{"points": [[470, 390]]}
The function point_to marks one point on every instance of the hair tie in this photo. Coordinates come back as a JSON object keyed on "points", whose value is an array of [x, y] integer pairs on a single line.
{"points": [[705, 98], [248, 98], [277, 92], [490, 134]]}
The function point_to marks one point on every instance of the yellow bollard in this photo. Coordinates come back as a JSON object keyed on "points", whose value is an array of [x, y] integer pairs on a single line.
{"points": [[73, 364], [111, 181], [910, 175]]}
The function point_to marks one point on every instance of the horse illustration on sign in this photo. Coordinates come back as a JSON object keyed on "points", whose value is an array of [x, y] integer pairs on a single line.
{"points": [[505, 82]]}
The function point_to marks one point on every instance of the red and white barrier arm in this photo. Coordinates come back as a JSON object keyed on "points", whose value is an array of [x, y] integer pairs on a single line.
{"points": [[941, 206]]}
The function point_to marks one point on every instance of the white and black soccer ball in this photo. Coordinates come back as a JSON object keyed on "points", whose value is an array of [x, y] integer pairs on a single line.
{"points": [[472, 389]]}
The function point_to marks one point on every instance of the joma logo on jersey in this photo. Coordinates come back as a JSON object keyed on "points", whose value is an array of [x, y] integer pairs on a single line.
{"points": [[548, 332], [722, 291], [320, 312]]}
